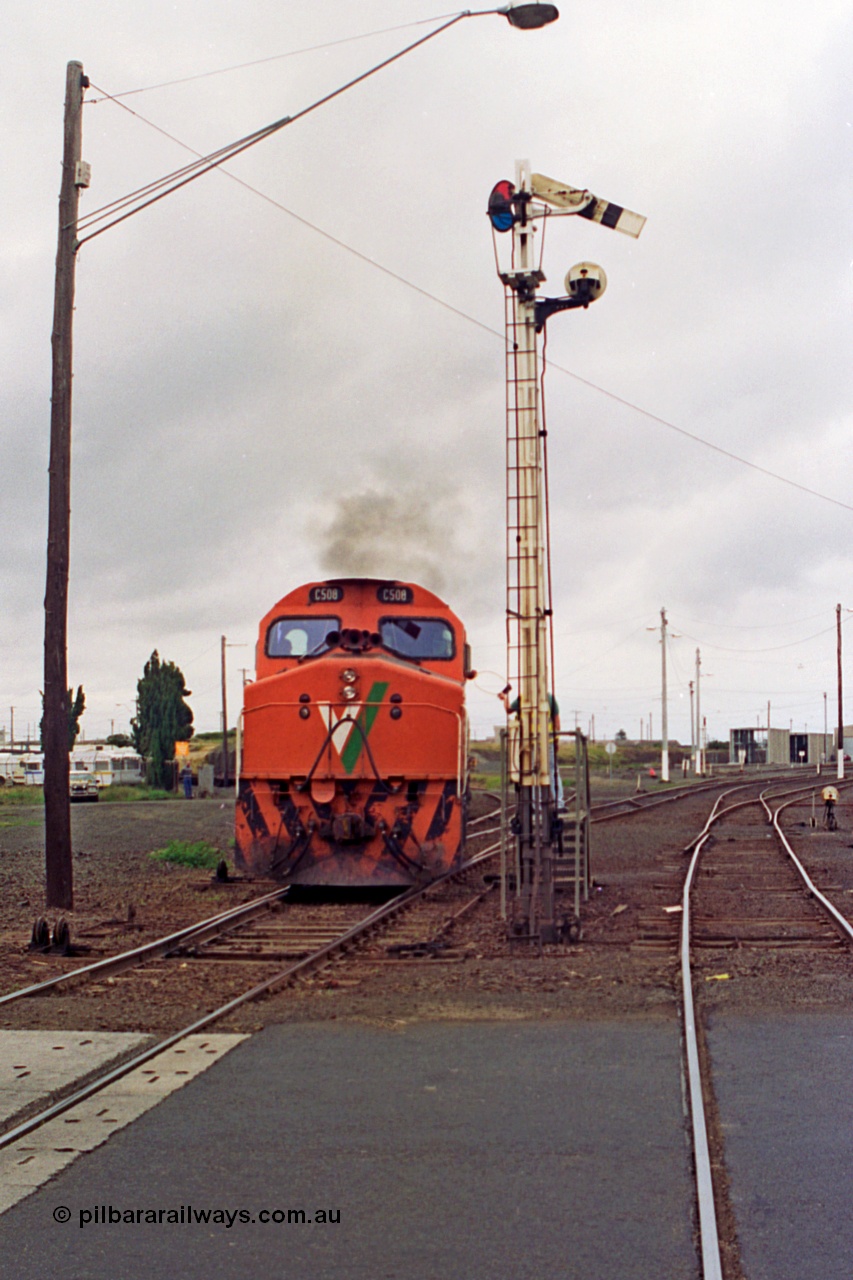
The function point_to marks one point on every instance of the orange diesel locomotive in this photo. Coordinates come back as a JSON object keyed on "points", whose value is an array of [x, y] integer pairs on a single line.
{"points": [[355, 738]]}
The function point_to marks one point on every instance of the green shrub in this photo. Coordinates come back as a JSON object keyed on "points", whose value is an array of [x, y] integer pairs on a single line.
{"points": [[189, 853]]}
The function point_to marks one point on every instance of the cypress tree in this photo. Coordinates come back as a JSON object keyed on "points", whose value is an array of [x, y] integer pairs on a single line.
{"points": [[162, 718]]}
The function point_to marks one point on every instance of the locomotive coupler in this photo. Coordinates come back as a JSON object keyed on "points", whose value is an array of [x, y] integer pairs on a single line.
{"points": [[347, 828]]}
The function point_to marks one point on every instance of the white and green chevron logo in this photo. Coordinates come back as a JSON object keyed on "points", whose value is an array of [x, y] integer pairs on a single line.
{"points": [[348, 731]]}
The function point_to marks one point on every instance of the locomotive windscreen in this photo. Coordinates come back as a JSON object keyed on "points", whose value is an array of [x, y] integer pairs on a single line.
{"points": [[294, 637], [428, 638]]}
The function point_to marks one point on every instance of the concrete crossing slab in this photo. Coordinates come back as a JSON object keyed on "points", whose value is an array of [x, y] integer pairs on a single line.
{"points": [[35, 1063], [27, 1058]]}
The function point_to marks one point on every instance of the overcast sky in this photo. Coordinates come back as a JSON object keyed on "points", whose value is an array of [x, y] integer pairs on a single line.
{"points": [[306, 378]]}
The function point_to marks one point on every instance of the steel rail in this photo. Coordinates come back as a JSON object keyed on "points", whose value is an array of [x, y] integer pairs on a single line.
{"points": [[708, 1232], [840, 919], [641, 800], [681, 791], [198, 933], [284, 977], [652, 802], [741, 804], [156, 950]]}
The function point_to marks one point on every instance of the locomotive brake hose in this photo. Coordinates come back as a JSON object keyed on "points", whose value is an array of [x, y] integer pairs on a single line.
{"points": [[399, 855], [328, 738]]}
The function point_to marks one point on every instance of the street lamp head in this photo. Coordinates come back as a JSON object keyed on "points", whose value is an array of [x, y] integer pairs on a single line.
{"points": [[529, 16]]}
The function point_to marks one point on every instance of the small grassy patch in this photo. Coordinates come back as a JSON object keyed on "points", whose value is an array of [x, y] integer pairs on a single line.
{"points": [[189, 853], [10, 795], [116, 794], [488, 781]]}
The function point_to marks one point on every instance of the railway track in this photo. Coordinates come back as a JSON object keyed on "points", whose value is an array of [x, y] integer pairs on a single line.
{"points": [[641, 802], [742, 893], [420, 922], [745, 888]]}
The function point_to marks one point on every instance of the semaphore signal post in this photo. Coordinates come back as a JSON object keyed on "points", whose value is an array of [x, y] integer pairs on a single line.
{"points": [[518, 208]]}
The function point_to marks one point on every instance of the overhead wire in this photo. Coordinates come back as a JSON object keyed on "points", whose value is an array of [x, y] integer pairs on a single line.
{"points": [[409, 284], [110, 215], [791, 644], [259, 62]]}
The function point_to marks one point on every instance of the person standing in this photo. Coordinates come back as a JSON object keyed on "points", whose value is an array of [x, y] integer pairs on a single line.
{"points": [[553, 729]]}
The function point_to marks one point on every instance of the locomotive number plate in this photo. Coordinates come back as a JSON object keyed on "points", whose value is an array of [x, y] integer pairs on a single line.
{"points": [[395, 595], [325, 595]]}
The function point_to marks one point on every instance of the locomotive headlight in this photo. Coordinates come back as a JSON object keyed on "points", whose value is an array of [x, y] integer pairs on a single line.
{"points": [[349, 692], [348, 676]]}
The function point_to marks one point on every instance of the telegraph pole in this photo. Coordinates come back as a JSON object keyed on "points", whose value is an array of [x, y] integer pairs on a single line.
{"points": [[840, 700], [700, 767], [664, 746], [664, 730], [57, 811], [224, 722]]}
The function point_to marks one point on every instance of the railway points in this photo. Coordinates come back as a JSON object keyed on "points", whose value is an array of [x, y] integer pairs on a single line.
{"points": [[469, 978]]}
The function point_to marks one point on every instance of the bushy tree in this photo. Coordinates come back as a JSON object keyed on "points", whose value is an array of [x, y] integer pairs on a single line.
{"points": [[162, 718], [75, 706]]}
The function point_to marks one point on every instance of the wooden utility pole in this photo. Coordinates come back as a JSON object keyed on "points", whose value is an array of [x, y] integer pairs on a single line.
{"points": [[840, 752], [664, 740], [225, 770], [57, 812]]}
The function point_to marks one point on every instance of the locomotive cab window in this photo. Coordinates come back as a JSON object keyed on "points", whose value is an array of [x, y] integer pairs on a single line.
{"points": [[296, 637], [424, 638]]}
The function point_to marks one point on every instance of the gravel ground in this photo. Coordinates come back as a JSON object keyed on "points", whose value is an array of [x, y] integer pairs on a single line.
{"points": [[625, 965]]}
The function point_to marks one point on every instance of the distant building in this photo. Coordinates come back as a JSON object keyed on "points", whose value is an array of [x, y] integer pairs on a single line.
{"points": [[746, 747], [785, 747]]}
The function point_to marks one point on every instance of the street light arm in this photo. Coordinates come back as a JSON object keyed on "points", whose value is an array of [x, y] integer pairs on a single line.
{"points": [[136, 201], [524, 17]]}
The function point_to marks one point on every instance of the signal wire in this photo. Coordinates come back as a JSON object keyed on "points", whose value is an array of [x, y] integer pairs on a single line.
{"points": [[110, 215], [432, 297], [259, 62]]}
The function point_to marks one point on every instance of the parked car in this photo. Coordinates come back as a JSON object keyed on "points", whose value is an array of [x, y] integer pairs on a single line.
{"points": [[82, 786]]}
